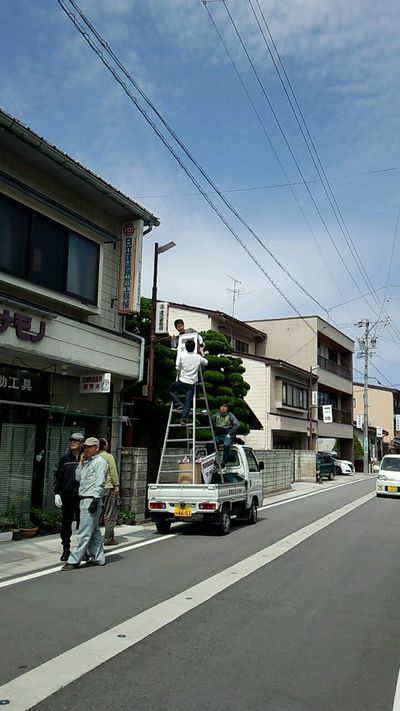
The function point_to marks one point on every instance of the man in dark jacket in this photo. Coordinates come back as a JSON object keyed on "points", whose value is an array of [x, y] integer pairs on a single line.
{"points": [[226, 425], [66, 490]]}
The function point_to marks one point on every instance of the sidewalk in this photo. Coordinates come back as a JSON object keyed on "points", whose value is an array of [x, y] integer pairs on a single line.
{"points": [[32, 554]]}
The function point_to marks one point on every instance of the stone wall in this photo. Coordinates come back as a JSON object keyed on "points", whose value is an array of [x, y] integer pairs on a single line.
{"points": [[134, 480], [305, 465], [278, 473]]}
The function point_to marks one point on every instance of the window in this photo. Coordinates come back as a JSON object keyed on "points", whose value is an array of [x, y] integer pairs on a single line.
{"points": [[83, 267], [14, 222], [251, 460], [240, 346], [294, 396], [46, 253]]}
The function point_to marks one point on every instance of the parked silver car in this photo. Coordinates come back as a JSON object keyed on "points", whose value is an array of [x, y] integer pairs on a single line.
{"points": [[343, 466]]}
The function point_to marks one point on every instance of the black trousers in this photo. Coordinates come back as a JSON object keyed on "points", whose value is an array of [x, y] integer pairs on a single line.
{"points": [[70, 509]]}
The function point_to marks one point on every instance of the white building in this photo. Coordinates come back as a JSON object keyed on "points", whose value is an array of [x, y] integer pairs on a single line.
{"points": [[62, 307]]}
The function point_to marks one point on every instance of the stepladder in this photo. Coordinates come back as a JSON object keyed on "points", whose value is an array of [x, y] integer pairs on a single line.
{"points": [[190, 454]]}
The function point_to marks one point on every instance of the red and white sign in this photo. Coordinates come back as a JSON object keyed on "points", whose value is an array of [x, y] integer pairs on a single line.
{"points": [[130, 267], [95, 383]]}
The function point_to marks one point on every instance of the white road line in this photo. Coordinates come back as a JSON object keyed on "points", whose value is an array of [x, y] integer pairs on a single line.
{"points": [[396, 702], [159, 539], [31, 688], [314, 493], [47, 571]]}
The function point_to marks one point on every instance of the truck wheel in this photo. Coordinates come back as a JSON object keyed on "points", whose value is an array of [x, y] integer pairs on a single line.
{"points": [[331, 476], [224, 522], [252, 513], [163, 526]]}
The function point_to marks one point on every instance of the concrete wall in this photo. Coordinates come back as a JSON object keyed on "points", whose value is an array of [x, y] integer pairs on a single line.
{"points": [[305, 465], [133, 480], [278, 473]]}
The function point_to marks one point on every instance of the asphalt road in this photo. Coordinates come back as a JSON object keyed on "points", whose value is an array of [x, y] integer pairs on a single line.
{"points": [[310, 622]]}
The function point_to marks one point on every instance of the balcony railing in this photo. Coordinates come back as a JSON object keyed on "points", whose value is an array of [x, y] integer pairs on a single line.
{"points": [[327, 364], [341, 416]]}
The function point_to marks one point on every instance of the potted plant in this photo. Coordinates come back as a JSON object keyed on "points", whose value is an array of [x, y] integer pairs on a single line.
{"points": [[27, 528], [46, 520], [5, 529], [14, 518], [127, 517]]}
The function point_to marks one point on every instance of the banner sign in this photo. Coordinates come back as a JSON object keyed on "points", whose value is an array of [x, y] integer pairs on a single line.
{"points": [[379, 432], [314, 398], [130, 267], [327, 413], [161, 317], [98, 383], [397, 423], [360, 422]]}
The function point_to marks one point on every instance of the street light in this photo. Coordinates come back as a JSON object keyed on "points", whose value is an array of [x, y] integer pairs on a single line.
{"points": [[157, 250]]}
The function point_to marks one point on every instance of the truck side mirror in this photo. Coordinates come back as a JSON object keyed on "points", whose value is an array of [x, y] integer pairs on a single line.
{"points": [[260, 466]]}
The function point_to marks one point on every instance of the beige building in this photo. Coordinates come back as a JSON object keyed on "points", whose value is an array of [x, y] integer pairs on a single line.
{"points": [[62, 306], [382, 408], [285, 360], [313, 345]]}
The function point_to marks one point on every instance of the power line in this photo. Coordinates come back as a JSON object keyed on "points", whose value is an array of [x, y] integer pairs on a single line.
{"points": [[290, 148], [87, 38], [189, 155], [327, 188]]}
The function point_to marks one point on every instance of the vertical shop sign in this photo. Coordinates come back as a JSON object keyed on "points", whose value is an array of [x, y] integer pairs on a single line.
{"points": [[130, 267]]}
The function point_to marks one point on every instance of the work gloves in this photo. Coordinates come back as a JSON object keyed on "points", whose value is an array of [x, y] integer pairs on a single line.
{"points": [[93, 506], [57, 501]]}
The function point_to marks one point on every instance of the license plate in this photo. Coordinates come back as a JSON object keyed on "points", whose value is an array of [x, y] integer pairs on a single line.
{"points": [[183, 511], [393, 489]]}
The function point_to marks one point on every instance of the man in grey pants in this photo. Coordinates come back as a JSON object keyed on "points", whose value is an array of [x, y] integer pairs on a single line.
{"points": [[91, 473]]}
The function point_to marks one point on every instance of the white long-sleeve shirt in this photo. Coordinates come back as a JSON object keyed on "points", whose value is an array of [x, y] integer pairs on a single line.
{"points": [[188, 367], [91, 476]]}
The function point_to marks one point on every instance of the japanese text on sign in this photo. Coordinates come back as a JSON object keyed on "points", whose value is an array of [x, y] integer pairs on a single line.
{"points": [[99, 383], [130, 267], [22, 324], [161, 317], [14, 383]]}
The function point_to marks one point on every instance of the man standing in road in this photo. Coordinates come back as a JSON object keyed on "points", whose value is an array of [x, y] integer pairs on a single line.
{"points": [[111, 493], [66, 490], [226, 425], [91, 473]]}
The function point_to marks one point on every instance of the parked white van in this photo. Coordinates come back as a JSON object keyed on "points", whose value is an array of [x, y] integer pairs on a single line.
{"points": [[388, 476]]}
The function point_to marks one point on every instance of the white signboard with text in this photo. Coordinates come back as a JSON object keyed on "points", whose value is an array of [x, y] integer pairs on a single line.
{"points": [[360, 422], [327, 413], [161, 317], [95, 383], [379, 432], [397, 423], [130, 267]]}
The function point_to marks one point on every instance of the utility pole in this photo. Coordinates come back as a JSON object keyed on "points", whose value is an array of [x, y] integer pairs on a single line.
{"points": [[367, 346]]}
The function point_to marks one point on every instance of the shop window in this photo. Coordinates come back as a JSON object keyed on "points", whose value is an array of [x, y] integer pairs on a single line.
{"points": [[46, 253]]}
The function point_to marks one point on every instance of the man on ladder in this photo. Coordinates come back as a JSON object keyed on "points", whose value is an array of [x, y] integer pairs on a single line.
{"points": [[188, 364]]}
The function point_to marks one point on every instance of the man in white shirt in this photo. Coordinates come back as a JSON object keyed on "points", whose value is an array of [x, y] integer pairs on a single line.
{"points": [[188, 372]]}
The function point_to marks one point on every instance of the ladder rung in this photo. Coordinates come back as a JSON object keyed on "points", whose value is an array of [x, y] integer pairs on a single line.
{"points": [[185, 439]]}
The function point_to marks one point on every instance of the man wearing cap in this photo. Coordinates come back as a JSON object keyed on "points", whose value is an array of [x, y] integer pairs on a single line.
{"points": [[90, 473], [66, 490]]}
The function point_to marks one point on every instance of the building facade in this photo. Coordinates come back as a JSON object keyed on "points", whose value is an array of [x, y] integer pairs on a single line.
{"points": [[70, 262]]}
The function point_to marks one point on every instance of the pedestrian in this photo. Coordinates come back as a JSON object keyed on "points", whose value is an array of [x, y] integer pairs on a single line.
{"points": [[180, 327], [188, 372], [111, 494], [90, 473], [66, 490], [226, 425]]}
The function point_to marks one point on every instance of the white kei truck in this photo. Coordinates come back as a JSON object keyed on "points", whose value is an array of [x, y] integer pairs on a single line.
{"points": [[238, 495]]}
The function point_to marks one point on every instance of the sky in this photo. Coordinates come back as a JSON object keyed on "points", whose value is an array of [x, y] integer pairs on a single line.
{"points": [[207, 70]]}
